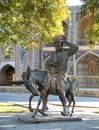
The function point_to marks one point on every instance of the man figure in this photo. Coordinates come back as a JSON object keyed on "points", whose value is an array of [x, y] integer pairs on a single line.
{"points": [[58, 61], [57, 65]]}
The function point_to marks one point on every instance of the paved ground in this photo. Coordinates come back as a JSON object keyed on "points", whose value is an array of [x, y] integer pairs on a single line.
{"points": [[85, 108]]}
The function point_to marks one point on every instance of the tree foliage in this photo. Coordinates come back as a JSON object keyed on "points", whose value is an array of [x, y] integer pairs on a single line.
{"points": [[89, 23], [29, 22]]}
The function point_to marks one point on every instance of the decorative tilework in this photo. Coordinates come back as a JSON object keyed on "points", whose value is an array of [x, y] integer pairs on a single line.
{"points": [[96, 51], [36, 59], [88, 65], [46, 54], [71, 69], [89, 82], [80, 53], [23, 57]]}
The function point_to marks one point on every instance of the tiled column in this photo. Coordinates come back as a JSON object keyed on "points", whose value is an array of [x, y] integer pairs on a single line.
{"points": [[35, 59], [18, 72]]}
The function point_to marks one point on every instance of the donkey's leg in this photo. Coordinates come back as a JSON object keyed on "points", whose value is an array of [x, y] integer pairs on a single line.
{"points": [[43, 92], [44, 103], [73, 100], [68, 98], [30, 99], [36, 110]]}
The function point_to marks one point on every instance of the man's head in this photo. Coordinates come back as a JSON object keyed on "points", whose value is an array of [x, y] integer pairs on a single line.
{"points": [[58, 46], [58, 41]]}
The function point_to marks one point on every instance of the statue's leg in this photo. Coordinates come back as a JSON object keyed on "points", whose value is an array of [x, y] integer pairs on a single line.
{"points": [[64, 101], [61, 91], [30, 99]]}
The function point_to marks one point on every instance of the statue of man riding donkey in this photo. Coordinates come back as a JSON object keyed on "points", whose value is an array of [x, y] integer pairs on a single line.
{"points": [[54, 79]]}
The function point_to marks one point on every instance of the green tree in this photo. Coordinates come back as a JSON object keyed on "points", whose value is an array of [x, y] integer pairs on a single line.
{"points": [[89, 22], [30, 22]]}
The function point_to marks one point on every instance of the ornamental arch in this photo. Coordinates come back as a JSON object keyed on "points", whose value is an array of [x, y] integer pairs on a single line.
{"points": [[87, 70]]}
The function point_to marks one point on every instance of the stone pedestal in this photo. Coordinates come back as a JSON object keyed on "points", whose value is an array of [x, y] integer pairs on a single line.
{"points": [[48, 119]]}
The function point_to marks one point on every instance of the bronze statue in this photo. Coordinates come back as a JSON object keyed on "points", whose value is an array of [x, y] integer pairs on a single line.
{"points": [[54, 80], [57, 66]]}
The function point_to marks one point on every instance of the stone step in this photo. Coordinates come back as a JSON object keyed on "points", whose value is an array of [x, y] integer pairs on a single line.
{"points": [[13, 89], [89, 92]]}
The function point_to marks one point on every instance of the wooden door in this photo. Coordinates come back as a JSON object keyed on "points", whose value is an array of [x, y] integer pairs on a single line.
{"points": [[9, 75]]}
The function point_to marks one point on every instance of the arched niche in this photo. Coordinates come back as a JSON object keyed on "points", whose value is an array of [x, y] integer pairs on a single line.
{"points": [[87, 70]]}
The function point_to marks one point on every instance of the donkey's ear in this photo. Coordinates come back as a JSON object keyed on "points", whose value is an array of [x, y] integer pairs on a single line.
{"points": [[28, 72], [28, 67]]}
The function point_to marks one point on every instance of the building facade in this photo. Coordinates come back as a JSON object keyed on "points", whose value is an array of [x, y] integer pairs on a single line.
{"points": [[84, 64], [86, 60]]}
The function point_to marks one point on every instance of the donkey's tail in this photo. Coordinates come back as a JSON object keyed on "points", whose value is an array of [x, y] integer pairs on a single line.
{"points": [[77, 86]]}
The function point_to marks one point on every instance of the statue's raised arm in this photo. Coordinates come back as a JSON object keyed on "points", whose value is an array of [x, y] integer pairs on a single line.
{"points": [[73, 48]]}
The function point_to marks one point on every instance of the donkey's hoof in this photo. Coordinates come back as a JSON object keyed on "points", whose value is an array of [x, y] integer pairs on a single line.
{"points": [[42, 112], [71, 114], [45, 108], [33, 116], [64, 114], [31, 110]]}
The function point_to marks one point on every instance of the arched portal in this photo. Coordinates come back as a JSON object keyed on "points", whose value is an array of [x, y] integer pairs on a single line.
{"points": [[6, 75], [87, 69]]}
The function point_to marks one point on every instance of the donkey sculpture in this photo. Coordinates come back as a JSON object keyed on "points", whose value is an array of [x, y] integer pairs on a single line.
{"points": [[40, 83]]}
